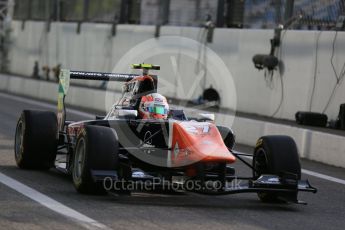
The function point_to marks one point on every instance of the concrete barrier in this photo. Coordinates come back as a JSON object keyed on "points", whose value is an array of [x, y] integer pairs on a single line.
{"points": [[314, 145], [95, 50]]}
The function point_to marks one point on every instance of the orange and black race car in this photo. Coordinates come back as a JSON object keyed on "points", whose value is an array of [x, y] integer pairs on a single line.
{"points": [[123, 151]]}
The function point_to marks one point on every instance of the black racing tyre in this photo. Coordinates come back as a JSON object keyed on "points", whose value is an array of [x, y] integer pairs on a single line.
{"points": [[275, 155], [96, 149], [35, 143], [228, 136]]}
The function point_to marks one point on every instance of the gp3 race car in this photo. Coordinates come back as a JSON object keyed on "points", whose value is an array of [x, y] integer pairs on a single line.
{"points": [[193, 155]]}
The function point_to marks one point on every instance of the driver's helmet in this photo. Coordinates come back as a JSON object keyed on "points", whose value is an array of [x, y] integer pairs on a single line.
{"points": [[153, 106]]}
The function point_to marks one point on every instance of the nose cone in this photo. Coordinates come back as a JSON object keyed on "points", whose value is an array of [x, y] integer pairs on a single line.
{"points": [[200, 141], [213, 150]]}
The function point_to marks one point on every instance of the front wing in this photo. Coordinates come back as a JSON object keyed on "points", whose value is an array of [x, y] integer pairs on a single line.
{"points": [[285, 186]]}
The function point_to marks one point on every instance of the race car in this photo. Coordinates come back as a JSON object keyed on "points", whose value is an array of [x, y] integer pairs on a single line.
{"points": [[143, 139]]}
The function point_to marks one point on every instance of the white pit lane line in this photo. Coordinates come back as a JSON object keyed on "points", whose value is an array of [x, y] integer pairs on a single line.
{"points": [[45, 105], [312, 173], [322, 176], [51, 204]]}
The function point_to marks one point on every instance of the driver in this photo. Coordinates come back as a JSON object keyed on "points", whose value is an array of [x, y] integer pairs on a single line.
{"points": [[153, 106]]}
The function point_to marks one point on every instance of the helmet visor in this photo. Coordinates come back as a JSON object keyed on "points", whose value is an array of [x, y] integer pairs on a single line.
{"points": [[158, 110]]}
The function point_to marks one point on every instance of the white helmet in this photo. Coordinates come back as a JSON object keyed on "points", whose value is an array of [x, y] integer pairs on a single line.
{"points": [[153, 106]]}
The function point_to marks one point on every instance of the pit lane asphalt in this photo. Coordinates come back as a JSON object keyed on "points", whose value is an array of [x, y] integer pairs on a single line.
{"points": [[325, 210]]}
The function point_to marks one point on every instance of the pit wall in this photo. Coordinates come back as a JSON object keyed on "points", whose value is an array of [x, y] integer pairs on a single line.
{"points": [[314, 145], [94, 49]]}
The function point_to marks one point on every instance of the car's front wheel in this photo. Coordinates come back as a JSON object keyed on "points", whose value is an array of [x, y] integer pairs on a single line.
{"points": [[228, 136], [96, 149], [275, 155]]}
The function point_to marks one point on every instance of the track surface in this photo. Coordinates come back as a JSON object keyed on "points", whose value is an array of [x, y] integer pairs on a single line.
{"points": [[325, 210]]}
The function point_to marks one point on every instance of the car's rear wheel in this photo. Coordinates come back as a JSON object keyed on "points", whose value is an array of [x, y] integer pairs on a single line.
{"points": [[35, 143], [275, 155], [96, 149]]}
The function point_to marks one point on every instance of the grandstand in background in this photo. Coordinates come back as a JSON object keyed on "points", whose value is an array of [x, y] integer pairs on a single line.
{"points": [[269, 13], [317, 14]]}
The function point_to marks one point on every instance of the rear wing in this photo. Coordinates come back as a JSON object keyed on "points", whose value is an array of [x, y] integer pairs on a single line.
{"points": [[66, 75], [101, 76], [64, 83]]}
